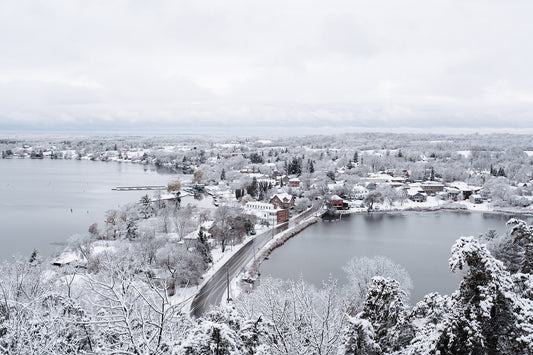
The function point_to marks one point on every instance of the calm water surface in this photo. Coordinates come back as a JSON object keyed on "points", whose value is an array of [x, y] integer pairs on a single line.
{"points": [[37, 197], [419, 241]]}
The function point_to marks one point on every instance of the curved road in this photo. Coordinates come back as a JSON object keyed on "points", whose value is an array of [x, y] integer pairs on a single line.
{"points": [[211, 293]]}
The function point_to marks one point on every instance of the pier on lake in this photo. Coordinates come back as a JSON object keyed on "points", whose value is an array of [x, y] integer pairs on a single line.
{"points": [[139, 188]]}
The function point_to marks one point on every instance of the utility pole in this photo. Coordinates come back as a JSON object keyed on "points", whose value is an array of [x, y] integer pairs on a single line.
{"points": [[253, 246], [273, 227], [227, 280]]}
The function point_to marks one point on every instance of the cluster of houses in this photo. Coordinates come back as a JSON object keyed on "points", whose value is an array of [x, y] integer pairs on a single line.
{"points": [[277, 210], [419, 191]]}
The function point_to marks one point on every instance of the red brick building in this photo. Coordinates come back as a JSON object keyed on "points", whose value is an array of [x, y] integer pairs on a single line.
{"points": [[294, 182], [338, 203], [283, 216], [283, 201]]}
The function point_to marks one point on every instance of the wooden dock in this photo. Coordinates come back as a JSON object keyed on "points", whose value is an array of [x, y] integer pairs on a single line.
{"points": [[139, 188]]}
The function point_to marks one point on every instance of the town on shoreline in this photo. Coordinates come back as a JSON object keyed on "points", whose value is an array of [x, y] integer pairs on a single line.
{"points": [[261, 183], [194, 245]]}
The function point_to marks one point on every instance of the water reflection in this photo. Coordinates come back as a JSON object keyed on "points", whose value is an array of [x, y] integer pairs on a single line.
{"points": [[419, 241]]}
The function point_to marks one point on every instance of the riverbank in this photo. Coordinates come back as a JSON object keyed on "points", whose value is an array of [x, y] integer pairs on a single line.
{"points": [[432, 204]]}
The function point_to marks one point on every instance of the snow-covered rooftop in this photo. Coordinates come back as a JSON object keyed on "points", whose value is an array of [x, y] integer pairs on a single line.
{"points": [[283, 196]]}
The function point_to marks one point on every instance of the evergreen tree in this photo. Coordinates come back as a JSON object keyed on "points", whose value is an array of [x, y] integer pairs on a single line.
{"points": [[356, 157], [486, 317], [426, 317], [146, 207], [522, 235], [210, 337], [252, 333], [252, 188], [131, 229], [255, 158], [204, 247], [514, 247], [34, 255], [239, 193], [225, 332], [359, 338], [223, 174], [294, 167], [385, 310]]}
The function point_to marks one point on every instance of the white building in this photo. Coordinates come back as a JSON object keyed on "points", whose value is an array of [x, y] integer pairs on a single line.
{"points": [[266, 212]]}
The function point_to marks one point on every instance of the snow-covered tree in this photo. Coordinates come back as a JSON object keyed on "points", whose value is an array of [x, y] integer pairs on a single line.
{"points": [[302, 319], [385, 310], [184, 267], [147, 210], [224, 331], [359, 338], [204, 248], [486, 316], [183, 221], [227, 227], [514, 248], [361, 270], [209, 337], [426, 317], [388, 192], [522, 235], [372, 198], [132, 311]]}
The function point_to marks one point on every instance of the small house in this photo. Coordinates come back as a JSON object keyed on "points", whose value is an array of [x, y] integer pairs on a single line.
{"points": [[418, 197], [294, 182], [475, 198], [337, 202], [432, 188], [283, 201], [371, 186], [452, 193]]}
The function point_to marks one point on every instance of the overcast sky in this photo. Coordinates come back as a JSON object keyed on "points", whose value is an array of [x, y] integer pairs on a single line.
{"points": [[256, 67]]}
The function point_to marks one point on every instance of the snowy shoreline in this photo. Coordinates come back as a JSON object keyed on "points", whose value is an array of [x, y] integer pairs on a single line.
{"points": [[252, 269], [433, 205]]}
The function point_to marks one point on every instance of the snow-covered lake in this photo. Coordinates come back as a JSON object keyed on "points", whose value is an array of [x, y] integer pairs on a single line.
{"points": [[419, 241], [37, 197]]}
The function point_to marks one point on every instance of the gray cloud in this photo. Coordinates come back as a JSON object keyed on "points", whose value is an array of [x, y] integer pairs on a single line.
{"points": [[251, 66]]}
